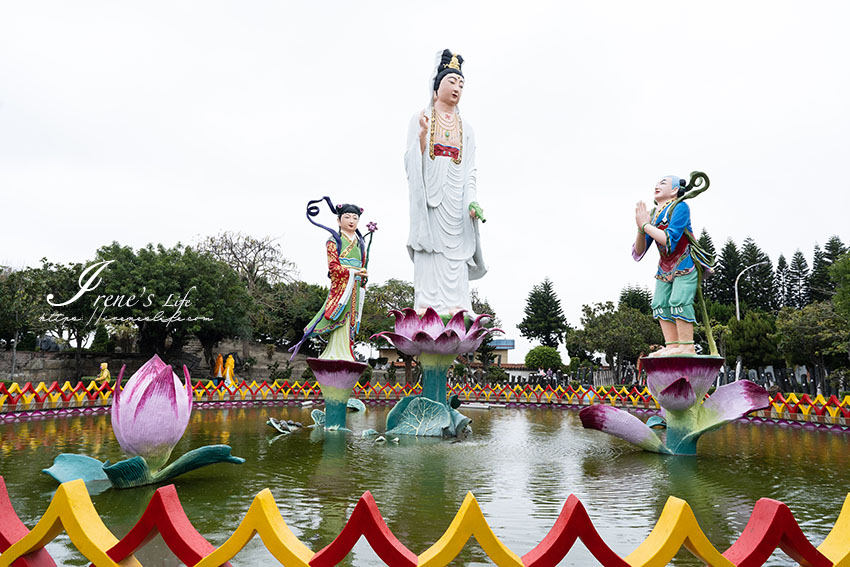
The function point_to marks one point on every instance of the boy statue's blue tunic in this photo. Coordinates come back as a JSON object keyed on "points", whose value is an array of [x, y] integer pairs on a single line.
{"points": [[677, 276]]}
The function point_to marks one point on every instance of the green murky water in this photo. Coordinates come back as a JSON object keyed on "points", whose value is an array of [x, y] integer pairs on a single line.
{"points": [[520, 464]]}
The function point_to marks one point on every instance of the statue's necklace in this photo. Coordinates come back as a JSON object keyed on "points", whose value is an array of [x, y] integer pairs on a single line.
{"points": [[446, 126], [660, 209]]}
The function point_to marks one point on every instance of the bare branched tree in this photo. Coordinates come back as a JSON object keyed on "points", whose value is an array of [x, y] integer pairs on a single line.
{"points": [[259, 263]]}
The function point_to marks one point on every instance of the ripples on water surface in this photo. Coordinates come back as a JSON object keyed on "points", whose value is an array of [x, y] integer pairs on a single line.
{"points": [[520, 464]]}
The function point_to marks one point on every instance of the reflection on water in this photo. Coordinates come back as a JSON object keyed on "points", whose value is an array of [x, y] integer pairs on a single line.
{"points": [[520, 464]]}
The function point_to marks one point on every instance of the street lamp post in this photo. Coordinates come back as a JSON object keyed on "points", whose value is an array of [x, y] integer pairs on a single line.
{"points": [[738, 311]]}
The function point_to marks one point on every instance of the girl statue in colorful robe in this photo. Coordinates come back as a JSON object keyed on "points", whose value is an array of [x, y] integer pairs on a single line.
{"points": [[682, 263], [339, 318], [443, 243]]}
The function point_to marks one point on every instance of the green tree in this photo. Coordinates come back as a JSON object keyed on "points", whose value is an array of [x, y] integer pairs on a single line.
{"points": [[780, 283], [577, 347], [707, 244], [757, 284], [21, 305], [840, 273], [221, 301], [544, 357], [486, 351], [621, 334], [297, 303], [719, 315], [820, 285], [159, 279], [392, 295], [798, 281], [101, 342], [834, 250], [260, 264], [815, 335], [729, 266], [752, 338], [544, 319], [636, 297]]}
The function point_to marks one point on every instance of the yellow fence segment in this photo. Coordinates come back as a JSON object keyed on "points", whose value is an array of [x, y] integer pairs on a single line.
{"points": [[836, 546], [677, 526], [70, 509], [263, 518], [469, 521]]}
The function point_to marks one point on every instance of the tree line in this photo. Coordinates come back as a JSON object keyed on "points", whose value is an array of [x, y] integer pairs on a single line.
{"points": [[791, 314], [228, 286]]}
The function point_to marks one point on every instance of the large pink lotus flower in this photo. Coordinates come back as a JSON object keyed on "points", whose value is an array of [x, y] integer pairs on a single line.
{"points": [[680, 384], [429, 335], [150, 416]]}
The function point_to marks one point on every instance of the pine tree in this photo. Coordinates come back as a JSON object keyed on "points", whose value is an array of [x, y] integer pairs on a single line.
{"points": [[756, 287], [781, 283], [729, 266], [798, 281], [833, 250], [705, 242], [821, 287], [544, 320], [636, 297]]}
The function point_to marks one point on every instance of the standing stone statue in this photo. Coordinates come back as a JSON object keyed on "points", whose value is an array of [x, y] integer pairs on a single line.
{"points": [[444, 243]]}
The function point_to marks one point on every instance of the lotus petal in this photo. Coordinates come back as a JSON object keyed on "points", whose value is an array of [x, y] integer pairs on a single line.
{"points": [[406, 322], [401, 343], [457, 324], [476, 324], [701, 372], [432, 323], [621, 424], [677, 396], [447, 343], [474, 339], [731, 402], [340, 374], [424, 341]]}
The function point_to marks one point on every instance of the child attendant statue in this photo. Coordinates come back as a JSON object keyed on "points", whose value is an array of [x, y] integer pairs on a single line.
{"points": [[339, 317], [681, 263]]}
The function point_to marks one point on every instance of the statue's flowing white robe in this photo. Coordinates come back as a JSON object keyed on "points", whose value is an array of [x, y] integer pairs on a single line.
{"points": [[444, 243]]}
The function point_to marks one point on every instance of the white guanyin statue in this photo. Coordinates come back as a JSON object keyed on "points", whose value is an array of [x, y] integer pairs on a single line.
{"points": [[444, 243]]}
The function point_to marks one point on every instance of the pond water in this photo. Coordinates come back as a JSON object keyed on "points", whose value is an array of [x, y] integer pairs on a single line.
{"points": [[521, 465]]}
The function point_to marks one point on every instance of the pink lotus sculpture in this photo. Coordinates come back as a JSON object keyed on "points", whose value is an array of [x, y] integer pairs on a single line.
{"points": [[680, 384], [151, 414], [429, 335], [436, 344], [149, 417]]}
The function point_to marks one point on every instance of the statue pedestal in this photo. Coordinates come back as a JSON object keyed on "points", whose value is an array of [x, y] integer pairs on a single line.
{"points": [[437, 342], [336, 378], [428, 415]]}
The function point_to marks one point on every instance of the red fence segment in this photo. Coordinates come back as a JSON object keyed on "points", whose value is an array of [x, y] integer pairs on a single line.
{"points": [[13, 529], [772, 525]]}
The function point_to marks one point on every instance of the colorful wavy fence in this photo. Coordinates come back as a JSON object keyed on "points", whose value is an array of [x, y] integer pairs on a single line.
{"points": [[771, 526], [43, 396]]}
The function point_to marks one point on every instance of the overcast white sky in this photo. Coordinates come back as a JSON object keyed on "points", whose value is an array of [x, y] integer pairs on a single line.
{"points": [[162, 121]]}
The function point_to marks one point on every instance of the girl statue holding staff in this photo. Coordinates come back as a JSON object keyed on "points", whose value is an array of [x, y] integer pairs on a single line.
{"points": [[444, 243], [339, 318], [682, 262]]}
